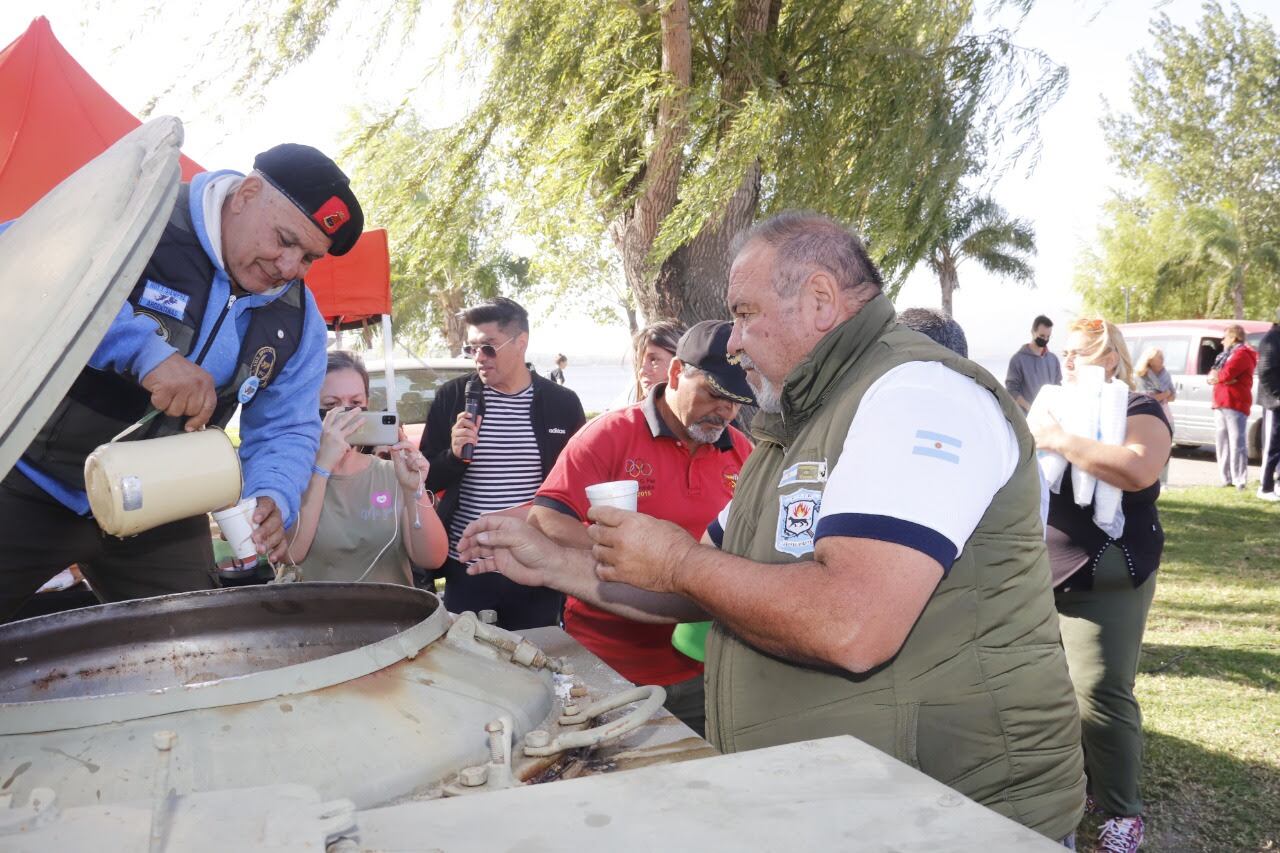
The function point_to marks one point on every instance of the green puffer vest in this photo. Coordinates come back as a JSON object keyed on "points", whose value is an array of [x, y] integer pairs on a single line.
{"points": [[978, 697]]}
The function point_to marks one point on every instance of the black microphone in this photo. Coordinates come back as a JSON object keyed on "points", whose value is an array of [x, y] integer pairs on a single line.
{"points": [[475, 406]]}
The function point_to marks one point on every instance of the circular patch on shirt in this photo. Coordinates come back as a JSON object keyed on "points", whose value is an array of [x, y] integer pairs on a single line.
{"points": [[264, 362], [247, 389]]}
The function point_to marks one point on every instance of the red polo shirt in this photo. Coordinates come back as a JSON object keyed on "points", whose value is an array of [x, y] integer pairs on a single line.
{"points": [[689, 490]]}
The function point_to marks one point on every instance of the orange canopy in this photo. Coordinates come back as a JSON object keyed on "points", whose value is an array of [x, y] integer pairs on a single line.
{"points": [[54, 118]]}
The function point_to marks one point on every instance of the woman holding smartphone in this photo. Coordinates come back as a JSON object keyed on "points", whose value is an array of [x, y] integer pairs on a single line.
{"points": [[363, 518]]}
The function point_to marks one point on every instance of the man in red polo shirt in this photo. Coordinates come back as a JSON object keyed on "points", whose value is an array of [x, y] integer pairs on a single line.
{"points": [[678, 444]]}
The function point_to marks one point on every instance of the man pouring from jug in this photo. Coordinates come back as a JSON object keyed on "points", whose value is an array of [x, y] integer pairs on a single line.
{"points": [[220, 318]]}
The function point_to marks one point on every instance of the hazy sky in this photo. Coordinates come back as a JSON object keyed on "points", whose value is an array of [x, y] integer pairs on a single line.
{"points": [[131, 46]]}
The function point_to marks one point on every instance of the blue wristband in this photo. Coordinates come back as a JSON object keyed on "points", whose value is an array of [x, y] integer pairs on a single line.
{"points": [[316, 469]]}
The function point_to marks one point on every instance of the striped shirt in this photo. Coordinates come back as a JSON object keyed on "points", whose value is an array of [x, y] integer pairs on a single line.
{"points": [[506, 469]]}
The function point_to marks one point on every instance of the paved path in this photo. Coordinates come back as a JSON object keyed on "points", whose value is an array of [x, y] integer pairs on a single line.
{"points": [[1193, 466]]}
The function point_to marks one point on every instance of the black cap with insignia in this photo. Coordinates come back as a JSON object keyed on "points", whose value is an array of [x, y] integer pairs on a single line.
{"points": [[706, 347]]}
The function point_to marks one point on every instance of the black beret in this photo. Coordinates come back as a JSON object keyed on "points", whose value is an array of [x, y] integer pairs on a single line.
{"points": [[318, 187]]}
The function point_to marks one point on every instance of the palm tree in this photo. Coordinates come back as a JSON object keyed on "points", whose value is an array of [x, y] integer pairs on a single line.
{"points": [[1225, 257], [981, 230]]}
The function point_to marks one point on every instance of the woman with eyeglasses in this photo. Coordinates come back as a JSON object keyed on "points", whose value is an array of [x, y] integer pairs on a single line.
{"points": [[363, 518], [1104, 585]]}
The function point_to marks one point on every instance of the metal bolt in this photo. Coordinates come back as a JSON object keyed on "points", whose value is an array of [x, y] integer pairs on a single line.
{"points": [[164, 740], [488, 617], [497, 742], [474, 777], [578, 691], [570, 709], [566, 668], [537, 739]]}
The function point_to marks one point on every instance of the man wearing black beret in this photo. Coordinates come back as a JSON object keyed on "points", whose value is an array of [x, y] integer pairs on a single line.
{"points": [[220, 318]]}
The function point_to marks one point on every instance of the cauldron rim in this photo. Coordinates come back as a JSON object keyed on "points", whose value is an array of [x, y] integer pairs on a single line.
{"points": [[66, 712]]}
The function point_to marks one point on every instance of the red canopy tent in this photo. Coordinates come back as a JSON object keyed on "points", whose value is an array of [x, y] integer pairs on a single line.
{"points": [[54, 118]]}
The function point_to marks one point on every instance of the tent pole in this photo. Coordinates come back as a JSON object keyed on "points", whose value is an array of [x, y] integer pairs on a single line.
{"points": [[389, 364]]}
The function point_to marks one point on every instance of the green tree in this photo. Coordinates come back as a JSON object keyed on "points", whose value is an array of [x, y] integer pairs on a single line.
{"points": [[1201, 142], [676, 122], [446, 251], [980, 230]]}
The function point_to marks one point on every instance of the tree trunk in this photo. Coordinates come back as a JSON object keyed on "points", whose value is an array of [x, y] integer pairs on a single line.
{"points": [[690, 285], [635, 230], [948, 280], [452, 301], [632, 324], [1237, 291]]}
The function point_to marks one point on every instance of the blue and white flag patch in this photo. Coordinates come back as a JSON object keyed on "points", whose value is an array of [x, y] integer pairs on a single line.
{"points": [[938, 446], [166, 300]]}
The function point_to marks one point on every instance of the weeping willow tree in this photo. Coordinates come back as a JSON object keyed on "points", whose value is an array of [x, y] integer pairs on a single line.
{"points": [[447, 248], [670, 125]]}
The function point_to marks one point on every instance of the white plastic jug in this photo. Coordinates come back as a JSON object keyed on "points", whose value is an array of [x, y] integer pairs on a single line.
{"points": [[138, 485]]}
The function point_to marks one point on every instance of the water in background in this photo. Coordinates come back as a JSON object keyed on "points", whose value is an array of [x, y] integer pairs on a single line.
{"points": [[597, 385]]}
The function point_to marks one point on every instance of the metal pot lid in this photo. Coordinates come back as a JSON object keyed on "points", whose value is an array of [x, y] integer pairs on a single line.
{"points": [[66, 267], [207, 649]]}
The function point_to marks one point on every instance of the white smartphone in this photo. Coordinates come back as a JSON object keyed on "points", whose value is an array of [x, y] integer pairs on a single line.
{"points": [[376, 429]]}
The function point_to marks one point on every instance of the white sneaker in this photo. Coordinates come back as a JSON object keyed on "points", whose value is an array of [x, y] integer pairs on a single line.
{"points": [[1268, 496], [1120, 835]]}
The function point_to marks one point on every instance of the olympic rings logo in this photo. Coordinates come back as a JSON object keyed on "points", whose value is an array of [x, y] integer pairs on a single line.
{"points": [[638, 468]]}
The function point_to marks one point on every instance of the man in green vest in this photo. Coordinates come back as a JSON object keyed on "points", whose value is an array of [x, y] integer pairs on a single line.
{"points": [[881, 570]]}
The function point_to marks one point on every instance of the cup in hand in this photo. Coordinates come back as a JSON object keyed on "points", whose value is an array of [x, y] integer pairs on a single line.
{"points": [[618, 493], [237, 527]]}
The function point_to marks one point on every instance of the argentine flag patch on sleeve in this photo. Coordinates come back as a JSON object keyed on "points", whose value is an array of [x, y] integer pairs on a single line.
{"points": [[166, 300], [938, 446]]}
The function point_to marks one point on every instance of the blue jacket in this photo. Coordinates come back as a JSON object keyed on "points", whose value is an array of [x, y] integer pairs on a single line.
{"points": [[280, 433]]}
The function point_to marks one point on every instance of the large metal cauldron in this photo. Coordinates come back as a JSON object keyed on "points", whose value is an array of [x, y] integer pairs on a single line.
{"points": [[352, 689]]}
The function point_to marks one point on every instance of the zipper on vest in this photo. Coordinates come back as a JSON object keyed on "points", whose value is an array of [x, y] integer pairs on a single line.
{"points": [[217, 324]]}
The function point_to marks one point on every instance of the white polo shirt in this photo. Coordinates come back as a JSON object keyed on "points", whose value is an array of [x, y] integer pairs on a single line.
{"points": [[925, 454]]}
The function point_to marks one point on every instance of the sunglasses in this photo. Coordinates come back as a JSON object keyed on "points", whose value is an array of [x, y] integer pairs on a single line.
{"points": [[487, 350]]}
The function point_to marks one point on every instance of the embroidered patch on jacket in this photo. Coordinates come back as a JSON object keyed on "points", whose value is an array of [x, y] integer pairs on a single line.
{"points": [[797, 519], [804, 472], [938, 446], [264, 362], [166, 300]]}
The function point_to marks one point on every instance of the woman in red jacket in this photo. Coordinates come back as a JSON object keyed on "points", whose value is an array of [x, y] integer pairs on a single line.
{"points": [[1232, 381]]}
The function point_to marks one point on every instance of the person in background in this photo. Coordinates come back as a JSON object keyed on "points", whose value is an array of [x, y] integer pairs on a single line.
{"points": [[938, 327], [1154, 380], [1104, 585], [652, 349], [1232, 381], [1033, 366], [557, 375], [524, 423], [678, 445], [1269, 399], [363, 518]]}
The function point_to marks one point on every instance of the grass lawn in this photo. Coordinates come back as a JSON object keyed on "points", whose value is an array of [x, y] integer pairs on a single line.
{"points": [[1209, 681]]}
